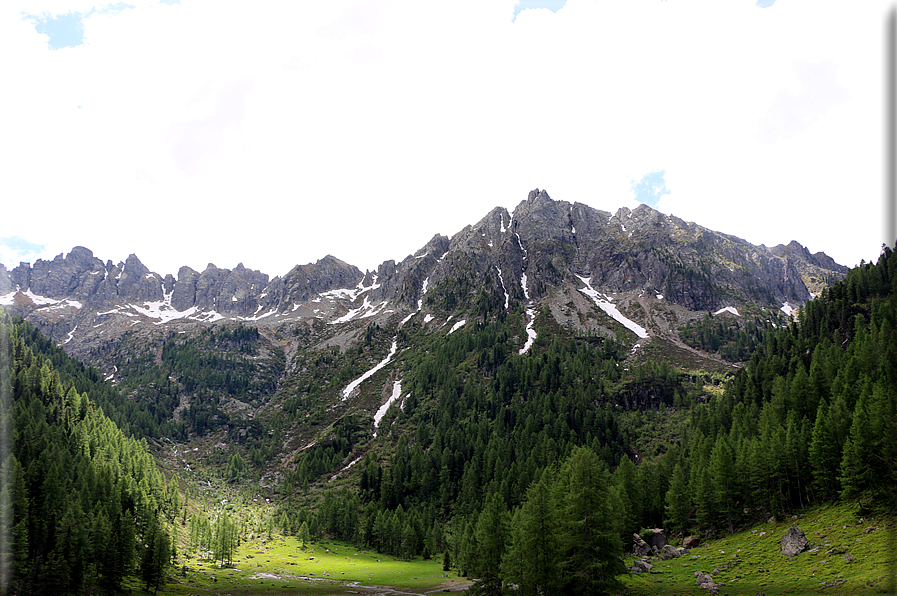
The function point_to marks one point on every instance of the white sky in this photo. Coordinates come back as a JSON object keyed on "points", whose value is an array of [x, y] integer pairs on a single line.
{"points": [[274, 133]]}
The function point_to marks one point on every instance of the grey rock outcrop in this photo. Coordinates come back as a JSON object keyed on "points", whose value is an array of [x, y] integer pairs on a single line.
{"points": [[658, 539], [706, 582], [640, 566], [303, 282], [640, 548], [183, 295], [669, 552], [793, 542]]}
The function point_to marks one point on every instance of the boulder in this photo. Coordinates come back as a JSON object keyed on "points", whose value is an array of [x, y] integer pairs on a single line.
{"points": [[691, 541], [640, 548], [793, 542], [669, 552], [639, 566], [658, 539], [706, 582]]}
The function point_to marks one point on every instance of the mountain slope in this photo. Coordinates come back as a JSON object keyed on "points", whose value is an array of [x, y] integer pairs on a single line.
{"points": [[83, 506], [549, 268]]}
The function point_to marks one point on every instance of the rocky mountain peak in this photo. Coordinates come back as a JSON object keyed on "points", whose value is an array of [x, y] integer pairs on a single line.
{"points": [[538, 196], [545, 249]]}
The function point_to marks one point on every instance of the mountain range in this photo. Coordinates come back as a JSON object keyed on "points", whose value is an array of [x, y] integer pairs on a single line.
{"points": [[642, 266]]}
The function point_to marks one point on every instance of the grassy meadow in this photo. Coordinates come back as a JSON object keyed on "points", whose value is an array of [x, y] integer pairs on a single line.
{"points": [[856, 556], [281, 566]]}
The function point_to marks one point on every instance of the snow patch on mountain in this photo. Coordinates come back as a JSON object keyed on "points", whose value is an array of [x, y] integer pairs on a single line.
{"points": [[354, 293], [39, 300], [457, 326], [604, 304], [162, 310], [423, 292], [165, 312], [520, 244], [504, 289], [366, 310], [530, 332], [730, 309], [381, 412], [350, 464], [351, 386]]}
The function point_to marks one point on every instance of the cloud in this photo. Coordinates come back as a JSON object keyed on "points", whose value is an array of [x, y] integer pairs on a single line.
{"points": [[363, 128], [650, 188], [62, 30], [552, 5], [200, 138], [15, 249], [66, 30], [814, 91]]}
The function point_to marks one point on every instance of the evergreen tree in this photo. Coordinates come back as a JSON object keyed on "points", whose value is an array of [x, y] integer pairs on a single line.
{"points": [[155, 560], [722, 476], [224, 539], [491, 539], [589, 530], [532, 560], [678, 503], [304, 535], [824, 453]]}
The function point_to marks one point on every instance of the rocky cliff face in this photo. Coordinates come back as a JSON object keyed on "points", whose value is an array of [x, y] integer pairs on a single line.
{"points": [[546, 244], [640, 260]]}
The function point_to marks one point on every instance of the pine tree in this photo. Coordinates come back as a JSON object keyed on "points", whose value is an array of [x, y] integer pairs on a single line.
{"points": [[304, 535], [625, 479], [491, 539], [678, 503], [533, 558], [723, 478], [156, 557], [589, 530], [824, 451], [224, 539], [863, 467]]}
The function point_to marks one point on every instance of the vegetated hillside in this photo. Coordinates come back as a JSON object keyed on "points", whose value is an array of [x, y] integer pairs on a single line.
{"points": [[811, 418], [847, 552], [525, 350], [83, 506]]}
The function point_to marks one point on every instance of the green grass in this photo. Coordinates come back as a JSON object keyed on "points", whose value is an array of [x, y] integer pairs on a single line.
{"points": [[751, 564], [280, 566]]}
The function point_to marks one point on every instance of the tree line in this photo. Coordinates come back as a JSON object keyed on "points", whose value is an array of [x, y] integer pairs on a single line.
{"points": [[82, 505]]}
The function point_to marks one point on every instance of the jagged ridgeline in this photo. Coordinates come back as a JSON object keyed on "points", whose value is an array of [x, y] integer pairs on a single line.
{"points": [[83, 506]]}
